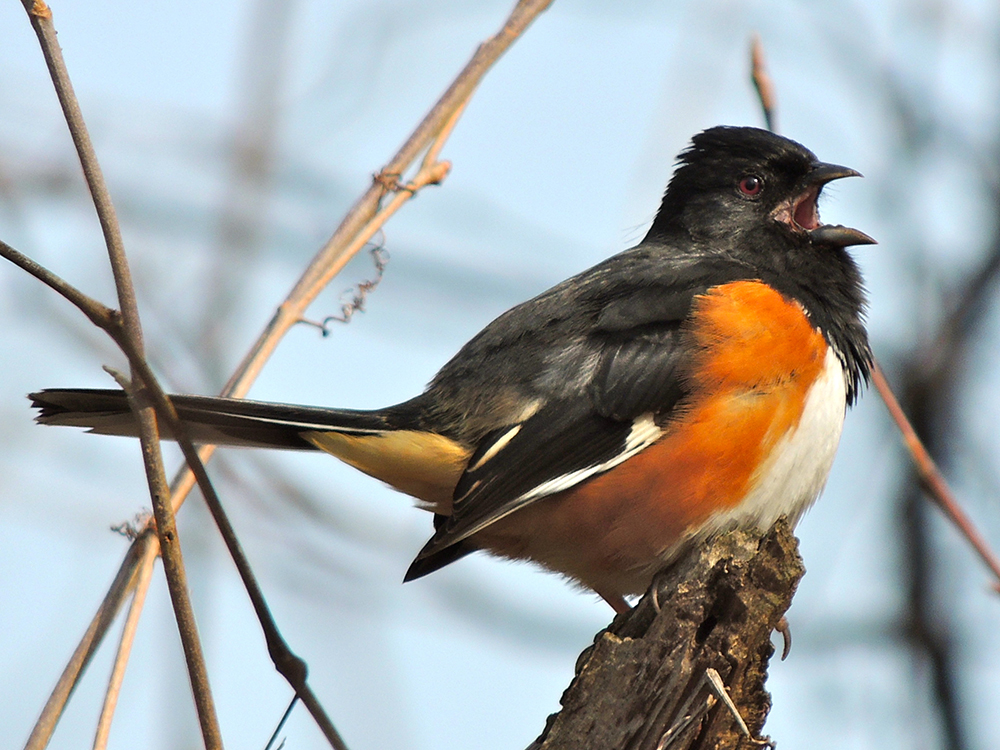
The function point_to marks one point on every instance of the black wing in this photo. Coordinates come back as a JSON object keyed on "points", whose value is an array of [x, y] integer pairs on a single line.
{"points": [[632, 380]]}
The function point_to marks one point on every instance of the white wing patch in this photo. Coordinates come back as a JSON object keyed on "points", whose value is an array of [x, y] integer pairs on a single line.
{"points": [[643, 434], [497, 446]]}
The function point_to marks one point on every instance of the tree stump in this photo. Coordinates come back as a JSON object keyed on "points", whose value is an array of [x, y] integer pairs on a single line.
{"points": [[643, 686]]}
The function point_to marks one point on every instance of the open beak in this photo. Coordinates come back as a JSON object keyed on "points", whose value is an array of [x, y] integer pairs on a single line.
{"points": [[802, 215]]}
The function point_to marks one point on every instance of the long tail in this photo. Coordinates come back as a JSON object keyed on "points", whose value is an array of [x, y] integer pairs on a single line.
{"points": [[219, 421], [390, 444]]}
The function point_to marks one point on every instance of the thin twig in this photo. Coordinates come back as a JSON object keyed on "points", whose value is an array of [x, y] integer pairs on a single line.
{"points": [[361, 220], [142, 550], [281, 723], [931, 477], [41, 20], [173, 566], [100, 315], [933, 481], [131, 331], [121, 659], [763, 84], [330, 259]]}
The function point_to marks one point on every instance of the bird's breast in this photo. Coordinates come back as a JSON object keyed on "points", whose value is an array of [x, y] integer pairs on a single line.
{"points": [[752, 441]]}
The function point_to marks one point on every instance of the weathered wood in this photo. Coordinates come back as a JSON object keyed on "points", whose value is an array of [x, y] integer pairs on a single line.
{"points": [[718, 607]]}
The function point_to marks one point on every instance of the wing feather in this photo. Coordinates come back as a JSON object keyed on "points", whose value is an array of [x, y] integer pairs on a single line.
{"points": [[636, 383]]}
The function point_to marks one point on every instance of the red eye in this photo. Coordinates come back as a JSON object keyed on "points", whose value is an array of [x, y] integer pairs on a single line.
{"points": [[751, 185]]}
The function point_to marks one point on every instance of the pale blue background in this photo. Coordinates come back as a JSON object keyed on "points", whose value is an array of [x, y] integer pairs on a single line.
{"points": [[559, 161]]}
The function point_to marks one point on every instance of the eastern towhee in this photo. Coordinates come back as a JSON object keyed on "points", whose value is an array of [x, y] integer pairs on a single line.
{"points": [[694, 383]]}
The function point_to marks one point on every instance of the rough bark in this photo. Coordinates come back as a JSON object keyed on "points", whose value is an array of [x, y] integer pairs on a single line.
{"points": [[718, 607]]}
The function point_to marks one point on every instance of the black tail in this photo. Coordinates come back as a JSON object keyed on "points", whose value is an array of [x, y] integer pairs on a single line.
{"points": [[216, 421]]}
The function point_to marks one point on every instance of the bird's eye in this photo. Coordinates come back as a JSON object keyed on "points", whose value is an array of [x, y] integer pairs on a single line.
{"points": [[751, 185]]}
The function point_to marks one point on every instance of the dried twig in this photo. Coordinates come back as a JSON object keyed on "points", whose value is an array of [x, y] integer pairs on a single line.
{"points": [[281, 725], [361, 223], [129, 332], [121, 659], [763, 84], [287, 663], [932, 479], [140, 556]]}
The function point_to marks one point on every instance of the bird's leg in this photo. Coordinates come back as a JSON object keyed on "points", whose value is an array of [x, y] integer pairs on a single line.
{"points": [[654, 589]]}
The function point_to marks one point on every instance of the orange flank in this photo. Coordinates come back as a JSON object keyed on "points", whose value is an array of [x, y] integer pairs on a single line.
{"points": [[756, 355]]}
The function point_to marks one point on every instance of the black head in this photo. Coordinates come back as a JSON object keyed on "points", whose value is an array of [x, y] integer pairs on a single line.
{"points": [[731, 181], [748, 197]]}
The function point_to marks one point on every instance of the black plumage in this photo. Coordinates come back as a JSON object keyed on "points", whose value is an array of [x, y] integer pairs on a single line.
{"points": [[575, 367]]}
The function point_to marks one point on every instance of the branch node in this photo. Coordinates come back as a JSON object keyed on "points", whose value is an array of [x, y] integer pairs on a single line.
{"points": [[290, 666], [40, 10], [388, 181], [133, 528], [436, 174]]}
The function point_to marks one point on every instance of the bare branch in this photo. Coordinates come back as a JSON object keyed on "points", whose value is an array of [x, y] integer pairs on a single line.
{"points": [[173, 567], [100, 315], [950, 337], [128, 330], [41, 21], [288, 664], [361, 223], [121, 659], [763, 84], [140, 556], [931, 478], [109, 321]]}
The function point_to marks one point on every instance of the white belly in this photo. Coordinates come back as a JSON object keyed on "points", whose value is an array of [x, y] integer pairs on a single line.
{"points": [[794, 474]]}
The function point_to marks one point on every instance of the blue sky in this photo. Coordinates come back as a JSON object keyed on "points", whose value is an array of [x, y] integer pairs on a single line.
{"points": [[559, 162]]}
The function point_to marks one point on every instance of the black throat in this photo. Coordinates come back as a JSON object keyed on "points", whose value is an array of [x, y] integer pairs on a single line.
{"points": [[826, 281]]}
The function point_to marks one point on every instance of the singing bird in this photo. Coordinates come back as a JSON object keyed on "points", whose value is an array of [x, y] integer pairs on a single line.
{"points": [[694, 383]]}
